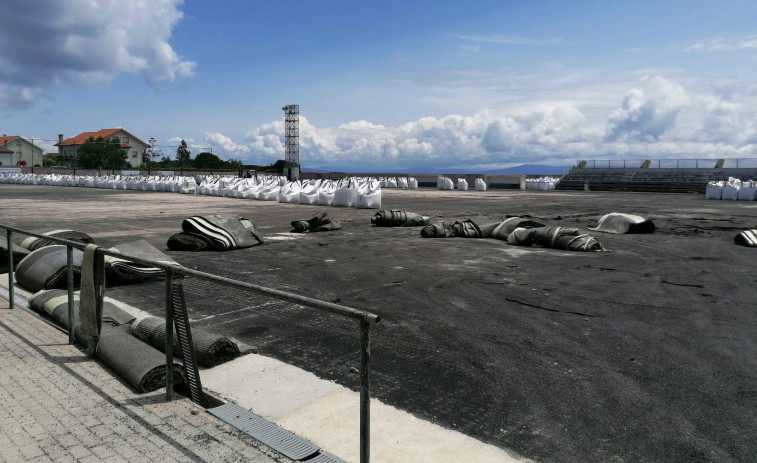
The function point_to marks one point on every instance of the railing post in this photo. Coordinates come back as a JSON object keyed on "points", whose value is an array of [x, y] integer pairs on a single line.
{"points": [[169, 335], [11, 296], [365, 391], [70, 286]]}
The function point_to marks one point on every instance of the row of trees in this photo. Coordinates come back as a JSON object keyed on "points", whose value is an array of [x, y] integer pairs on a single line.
{"points": [[203, 161], [107, 154]]}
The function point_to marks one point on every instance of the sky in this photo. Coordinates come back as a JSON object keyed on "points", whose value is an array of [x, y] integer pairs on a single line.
{"points": [[421, 86]]}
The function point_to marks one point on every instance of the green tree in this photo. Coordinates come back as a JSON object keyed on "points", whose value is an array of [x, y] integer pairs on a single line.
{"points": [[99, 153], [208, 161], [234, 164], [279, 165], [48, 161], [183, 156]]}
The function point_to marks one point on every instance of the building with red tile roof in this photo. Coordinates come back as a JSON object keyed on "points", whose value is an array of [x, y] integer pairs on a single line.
{"points": [[134, 147]]}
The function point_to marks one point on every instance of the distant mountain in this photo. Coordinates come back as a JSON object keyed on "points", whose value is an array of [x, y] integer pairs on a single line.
{"points": [[531, 169], [523, 169]]}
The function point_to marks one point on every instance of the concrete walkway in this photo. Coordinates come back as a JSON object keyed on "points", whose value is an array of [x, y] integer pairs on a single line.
{"points": [[320, 411], [58, 405], [328, 415]]}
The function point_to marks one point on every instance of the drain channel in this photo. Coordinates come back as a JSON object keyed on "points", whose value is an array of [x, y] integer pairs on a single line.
{"points": [[290, 445]]}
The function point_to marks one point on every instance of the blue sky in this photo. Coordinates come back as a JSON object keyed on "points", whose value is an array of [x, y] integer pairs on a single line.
{"points": [[419, 86]]}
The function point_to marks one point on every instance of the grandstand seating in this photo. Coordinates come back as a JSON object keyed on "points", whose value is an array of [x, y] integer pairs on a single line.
{"points": [[686, 180]]}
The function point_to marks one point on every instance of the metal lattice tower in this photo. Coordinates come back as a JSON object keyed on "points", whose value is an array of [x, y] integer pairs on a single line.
{"points": [[292, 140]]}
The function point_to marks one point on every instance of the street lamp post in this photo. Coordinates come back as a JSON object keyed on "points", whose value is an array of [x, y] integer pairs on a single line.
{"points": [[151, 154]]}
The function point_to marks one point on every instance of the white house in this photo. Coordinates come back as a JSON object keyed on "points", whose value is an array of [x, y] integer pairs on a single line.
{"points": [[16, 150], [135, 148]]}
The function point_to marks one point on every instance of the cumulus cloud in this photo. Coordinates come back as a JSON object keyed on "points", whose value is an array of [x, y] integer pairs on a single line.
{"points": [[656, 119], [224, 143], [85, 42], [647, 113]]}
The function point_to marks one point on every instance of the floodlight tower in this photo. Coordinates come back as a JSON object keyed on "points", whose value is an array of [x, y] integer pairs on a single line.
{"points": [[292, 141]]}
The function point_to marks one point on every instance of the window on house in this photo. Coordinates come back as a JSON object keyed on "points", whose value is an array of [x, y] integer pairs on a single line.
{"points": [[125, 140]]}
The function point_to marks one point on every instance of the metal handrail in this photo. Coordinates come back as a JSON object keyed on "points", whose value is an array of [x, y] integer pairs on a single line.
{"points": [[365, 318]]}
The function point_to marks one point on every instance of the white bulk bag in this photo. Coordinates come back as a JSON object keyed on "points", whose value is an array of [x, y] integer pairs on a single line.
{"points": [[257, 189], [188, 186], [290, 193], [236, 188], [153, 184], [214, 184], [271, 191], [462, 184], [731, 189], [747, 191], [345, 194], [309, 192], [243, 188], [480, 184], [175, 183], [326, 193], [714, 190], [202, 188], [369, 196]]}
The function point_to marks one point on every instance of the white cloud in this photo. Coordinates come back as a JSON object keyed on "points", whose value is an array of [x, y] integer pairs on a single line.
{"points": [[722, 44], [657, 119], [178, 140], [649, 112], [225, 143], [85, 42], [506, 40]]}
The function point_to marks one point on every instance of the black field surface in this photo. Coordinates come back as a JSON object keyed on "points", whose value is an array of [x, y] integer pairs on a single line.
{"points": [[645, 353]]}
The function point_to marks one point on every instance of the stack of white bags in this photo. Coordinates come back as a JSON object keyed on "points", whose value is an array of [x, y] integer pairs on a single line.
{"points": [[732, 189], [360, 192], [446, 183], [541, 183]]}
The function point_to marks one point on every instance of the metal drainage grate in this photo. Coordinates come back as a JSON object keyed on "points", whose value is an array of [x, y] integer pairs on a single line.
{"points": [[325, 457], [266, 432]]}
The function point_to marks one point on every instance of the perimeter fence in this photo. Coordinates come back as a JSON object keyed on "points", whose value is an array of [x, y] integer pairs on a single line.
{"points": [[256, 294], [738, 163]]}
